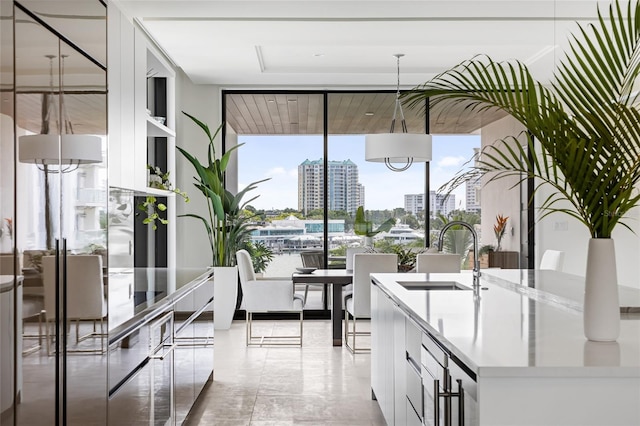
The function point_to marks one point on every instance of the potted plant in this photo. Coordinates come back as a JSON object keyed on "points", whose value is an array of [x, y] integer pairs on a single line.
{"points": [[499, 228], [225, 222], [364, 228], [150, 206], [261, 255], [406, 257], [499, 258], [587, 130]]}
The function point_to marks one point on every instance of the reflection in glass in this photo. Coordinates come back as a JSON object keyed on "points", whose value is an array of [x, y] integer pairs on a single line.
{"points": [[61, 195]]}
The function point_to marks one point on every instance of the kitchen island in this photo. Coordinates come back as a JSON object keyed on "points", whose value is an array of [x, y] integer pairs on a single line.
{"points": [[513, 355]]}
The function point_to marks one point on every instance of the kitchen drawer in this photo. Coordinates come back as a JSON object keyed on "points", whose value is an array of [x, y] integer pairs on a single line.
{"points": [[467, 381], [413, 340], [412, 417], [434, 348], [434, 367], [414, 388]]}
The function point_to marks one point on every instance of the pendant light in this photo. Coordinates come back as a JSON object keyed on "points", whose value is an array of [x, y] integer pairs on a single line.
{"points": [[67, 150], [398, 150]]}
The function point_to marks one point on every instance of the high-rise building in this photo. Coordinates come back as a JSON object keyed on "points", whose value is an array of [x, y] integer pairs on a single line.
{"points": [[413, 203], [473, 189], [344, 191], [441, 204], [438, 203]]}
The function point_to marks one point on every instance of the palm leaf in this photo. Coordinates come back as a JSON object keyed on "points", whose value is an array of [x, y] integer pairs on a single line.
{"points": [[583, 133]]}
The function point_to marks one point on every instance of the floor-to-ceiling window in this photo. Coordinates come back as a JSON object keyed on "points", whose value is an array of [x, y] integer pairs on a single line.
{"points": [[310, 147]]}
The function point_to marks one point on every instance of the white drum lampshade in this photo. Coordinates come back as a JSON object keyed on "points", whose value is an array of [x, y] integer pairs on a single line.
{"points": [[397, 147], [73, 150]]}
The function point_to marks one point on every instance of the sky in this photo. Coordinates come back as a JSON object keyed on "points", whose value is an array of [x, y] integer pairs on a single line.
{"points": [[277, 157]]}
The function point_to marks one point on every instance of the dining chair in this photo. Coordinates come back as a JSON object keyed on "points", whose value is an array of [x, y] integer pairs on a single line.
{"points": [[312, 259], [86, 300], [351, 251], [438, 263], [359, 305], [552, 260], [262, 296]]}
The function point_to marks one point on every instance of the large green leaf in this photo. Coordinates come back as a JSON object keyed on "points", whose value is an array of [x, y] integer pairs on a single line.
{"points": [[583, 132], [226, 227]]}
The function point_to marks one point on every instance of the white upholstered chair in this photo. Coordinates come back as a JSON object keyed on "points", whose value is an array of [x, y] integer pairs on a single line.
{"points": [[267, 296], [437, 263], [351, 251], [552, 260], [359, 305], [86, 300]]}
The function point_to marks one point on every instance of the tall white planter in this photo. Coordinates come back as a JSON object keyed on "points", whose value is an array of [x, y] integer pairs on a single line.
{"points": [[225, 294], [601, 304]]}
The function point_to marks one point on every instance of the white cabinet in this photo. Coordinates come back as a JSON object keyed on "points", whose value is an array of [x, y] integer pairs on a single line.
{"points": [[133, 65], [383, 348], [121, 99], [413, 378]]}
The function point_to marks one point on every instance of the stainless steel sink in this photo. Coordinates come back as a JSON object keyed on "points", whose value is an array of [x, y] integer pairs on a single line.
{"points": [[433, 285]]}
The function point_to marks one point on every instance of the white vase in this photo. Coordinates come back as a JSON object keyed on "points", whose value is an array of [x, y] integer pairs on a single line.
{"points": [[601, 304], [225, 294], [368, 242]]}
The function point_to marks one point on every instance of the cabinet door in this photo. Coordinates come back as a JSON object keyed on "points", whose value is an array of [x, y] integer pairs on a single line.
{"points": [[399, 366], [376, 372], [184, 362], [121, 100], [139, 113], [382, 352], [131, 404]]}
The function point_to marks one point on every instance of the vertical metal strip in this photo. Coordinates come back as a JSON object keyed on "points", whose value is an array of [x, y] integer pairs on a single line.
{"points": [[531, 213], [56, 348], [64, 333], [427, 180], [325, 195], [325, 178], [17, 351]]}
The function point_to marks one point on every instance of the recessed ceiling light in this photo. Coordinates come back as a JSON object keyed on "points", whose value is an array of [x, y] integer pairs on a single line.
{"points": [[292, 100], [318, 55], [270, 101], [368, 113]]}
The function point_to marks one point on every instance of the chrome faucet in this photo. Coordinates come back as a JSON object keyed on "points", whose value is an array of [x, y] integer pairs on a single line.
{"points": [[476, 258]]}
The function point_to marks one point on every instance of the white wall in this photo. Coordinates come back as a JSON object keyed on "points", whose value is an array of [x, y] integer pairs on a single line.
{"points": [[203, 102], [498, 197], [561, 232]]}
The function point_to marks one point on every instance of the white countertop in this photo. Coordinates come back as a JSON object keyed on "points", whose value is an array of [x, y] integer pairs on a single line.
{"points": [[513, 332]]}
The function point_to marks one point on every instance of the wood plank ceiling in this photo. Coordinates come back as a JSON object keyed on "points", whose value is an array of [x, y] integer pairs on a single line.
{"points": [[348, 113]]}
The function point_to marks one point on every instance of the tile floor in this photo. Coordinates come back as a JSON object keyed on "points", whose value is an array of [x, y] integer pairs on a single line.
{"points": [[317, 384]]}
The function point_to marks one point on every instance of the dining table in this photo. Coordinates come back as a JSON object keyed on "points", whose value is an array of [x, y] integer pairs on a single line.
{"points": [[337, 278]]}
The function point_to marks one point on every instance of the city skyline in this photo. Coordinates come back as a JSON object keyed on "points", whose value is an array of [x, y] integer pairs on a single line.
{"points": [[278, 157], [344, 191]]}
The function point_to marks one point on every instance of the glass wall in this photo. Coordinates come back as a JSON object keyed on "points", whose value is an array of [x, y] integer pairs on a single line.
{"points": [[56, 185], [283, 137]]}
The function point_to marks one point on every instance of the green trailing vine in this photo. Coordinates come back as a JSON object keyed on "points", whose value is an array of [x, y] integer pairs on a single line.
{"points": [[150, 206]]}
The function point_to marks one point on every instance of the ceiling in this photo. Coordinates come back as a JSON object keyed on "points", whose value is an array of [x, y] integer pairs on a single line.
{"points": [[348, 113], [313, 44], [335, 45], [329, 44]]}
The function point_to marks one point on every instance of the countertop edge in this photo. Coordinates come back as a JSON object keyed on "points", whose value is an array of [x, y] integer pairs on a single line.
{"points": [[148, 314], [585, 371]]}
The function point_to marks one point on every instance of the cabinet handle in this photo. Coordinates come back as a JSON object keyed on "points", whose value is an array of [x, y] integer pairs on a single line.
{"points": [[436, 402], [460, 403], [164, 355]]}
